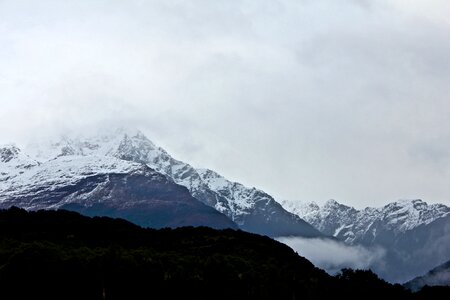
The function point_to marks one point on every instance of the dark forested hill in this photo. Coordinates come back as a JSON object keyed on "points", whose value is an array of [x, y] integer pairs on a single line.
{"points": [[63, 255]]}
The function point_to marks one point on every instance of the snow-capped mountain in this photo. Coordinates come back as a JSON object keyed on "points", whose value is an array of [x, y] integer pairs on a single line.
{"points": [[13, 162], [354, 226], [253, 209], [100, 185], [72, 158], [416, 235]]}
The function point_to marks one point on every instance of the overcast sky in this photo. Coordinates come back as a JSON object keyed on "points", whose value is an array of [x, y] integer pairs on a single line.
{"points": [[308, 100]]}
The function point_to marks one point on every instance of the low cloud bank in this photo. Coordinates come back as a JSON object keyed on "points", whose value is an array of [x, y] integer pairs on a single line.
{"points": [[333, 256]]}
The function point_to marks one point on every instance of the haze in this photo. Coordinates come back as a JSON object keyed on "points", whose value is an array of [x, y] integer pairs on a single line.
{"points": [[308, 100]]}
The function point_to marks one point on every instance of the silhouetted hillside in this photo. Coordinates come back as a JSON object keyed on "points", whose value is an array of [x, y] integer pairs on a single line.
{"points": [[63, 255], [439, 276]]}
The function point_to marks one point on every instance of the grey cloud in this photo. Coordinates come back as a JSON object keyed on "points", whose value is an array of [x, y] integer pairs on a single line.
{"points": [[333, 256]]}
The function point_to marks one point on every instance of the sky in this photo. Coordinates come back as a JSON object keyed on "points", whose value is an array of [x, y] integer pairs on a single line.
{"points": [[308, 100]]}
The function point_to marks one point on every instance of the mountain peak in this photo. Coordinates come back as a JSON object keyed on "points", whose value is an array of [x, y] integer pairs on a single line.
{"points": [[404, 215], [106, 151], [409, 202], [412, 205], [106, 142], [300, 208], [13, 157], [122, 132], [8, 153], [407, 206], [332, 203], [13, 162]]}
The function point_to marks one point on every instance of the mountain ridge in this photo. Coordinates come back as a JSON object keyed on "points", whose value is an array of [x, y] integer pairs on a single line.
{"points": [[121, 150], [101, 185], [400, 216], [415, 235]]}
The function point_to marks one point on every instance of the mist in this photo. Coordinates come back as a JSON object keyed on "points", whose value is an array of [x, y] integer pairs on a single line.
{"points": [[332, 256]]}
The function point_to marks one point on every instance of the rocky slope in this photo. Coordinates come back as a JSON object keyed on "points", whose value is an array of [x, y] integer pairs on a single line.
{"points": [[354, 226], [252, 209], [122, 150], [100, 185]]}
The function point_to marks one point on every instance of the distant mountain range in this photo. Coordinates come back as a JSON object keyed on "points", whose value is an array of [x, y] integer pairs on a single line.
{"points": [[122, 173], [415, 235]]}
